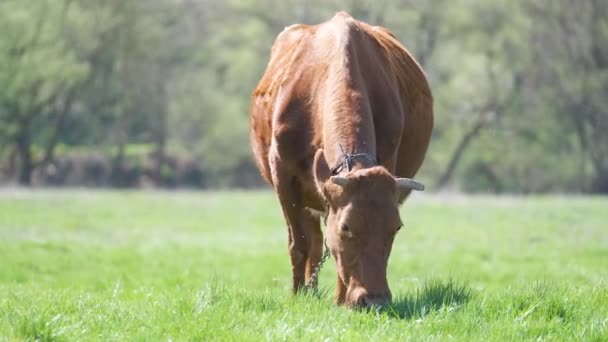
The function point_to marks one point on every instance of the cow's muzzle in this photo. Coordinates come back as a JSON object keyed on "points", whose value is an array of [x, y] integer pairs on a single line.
{"points": [[362, 298]]}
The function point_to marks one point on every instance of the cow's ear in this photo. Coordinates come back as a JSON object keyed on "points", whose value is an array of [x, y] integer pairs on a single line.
{"points": [[321, 171]]}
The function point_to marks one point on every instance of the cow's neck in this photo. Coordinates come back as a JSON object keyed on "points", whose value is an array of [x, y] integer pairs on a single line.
{"points": [[348, 125], [348, 128]]}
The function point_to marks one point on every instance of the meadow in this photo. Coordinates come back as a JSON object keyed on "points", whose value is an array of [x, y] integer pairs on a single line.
{"points": [[112, 265]]}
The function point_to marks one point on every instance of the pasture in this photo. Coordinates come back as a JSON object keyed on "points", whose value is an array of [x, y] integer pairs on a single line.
{"points": [[108, 265]]}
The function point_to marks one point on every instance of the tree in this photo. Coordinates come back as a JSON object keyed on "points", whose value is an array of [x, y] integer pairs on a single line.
{"points": [[572, 40], [40, 76]]}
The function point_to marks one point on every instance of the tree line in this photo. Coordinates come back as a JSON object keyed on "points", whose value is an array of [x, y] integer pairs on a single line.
{"points": [[156, 92]]}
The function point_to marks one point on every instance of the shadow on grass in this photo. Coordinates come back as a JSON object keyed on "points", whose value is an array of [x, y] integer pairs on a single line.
{"points": [[434, 295]]}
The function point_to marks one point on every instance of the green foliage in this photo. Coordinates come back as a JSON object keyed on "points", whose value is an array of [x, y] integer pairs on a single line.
{"points": [[90, 265], [35, 55], [36, 64]]}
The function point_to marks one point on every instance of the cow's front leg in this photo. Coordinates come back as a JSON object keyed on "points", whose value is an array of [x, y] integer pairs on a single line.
{"points": [[297, 252], [314, 239], [340, 294], [305, 245], [288, 190]]}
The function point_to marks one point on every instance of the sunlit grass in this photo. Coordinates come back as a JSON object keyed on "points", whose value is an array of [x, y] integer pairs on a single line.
{"points": [[79, 265]]}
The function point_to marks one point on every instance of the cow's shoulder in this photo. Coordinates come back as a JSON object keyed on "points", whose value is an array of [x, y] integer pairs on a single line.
{"points": [[384, 31], [287, 49], [290, 37], [411, 78]]}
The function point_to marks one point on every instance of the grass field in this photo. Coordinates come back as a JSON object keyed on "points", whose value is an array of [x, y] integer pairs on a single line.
{"points": [[79, 265]]}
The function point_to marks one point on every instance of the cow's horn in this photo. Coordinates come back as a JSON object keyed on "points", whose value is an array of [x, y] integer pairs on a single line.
{"points": [[338, 180], [406, 183]]}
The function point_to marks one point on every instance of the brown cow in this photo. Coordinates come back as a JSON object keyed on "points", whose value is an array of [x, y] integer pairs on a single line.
{"points": [[341, 108]]}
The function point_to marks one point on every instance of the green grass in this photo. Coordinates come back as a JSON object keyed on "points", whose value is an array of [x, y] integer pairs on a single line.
{"points": [[79, 265]]}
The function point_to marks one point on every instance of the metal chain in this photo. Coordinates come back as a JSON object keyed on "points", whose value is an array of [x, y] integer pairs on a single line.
{"points": [[348, 159], [314, 277]]}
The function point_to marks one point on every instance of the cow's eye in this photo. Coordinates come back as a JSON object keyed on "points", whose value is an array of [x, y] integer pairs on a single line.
{"points": [[344, 228], [399, 228]]}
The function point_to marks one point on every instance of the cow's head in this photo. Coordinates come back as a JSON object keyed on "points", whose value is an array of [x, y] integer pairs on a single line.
{"points": [[362, 221]]}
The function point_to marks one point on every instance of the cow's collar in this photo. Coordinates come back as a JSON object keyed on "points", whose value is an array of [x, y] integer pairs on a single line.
{"points": [[347, 159]]}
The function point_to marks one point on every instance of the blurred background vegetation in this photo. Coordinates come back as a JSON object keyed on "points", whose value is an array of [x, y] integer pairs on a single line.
{"points": [[155, 93]]}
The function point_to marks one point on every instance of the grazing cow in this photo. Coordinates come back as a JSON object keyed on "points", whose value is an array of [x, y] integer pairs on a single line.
{"points": [[341, 112]]}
